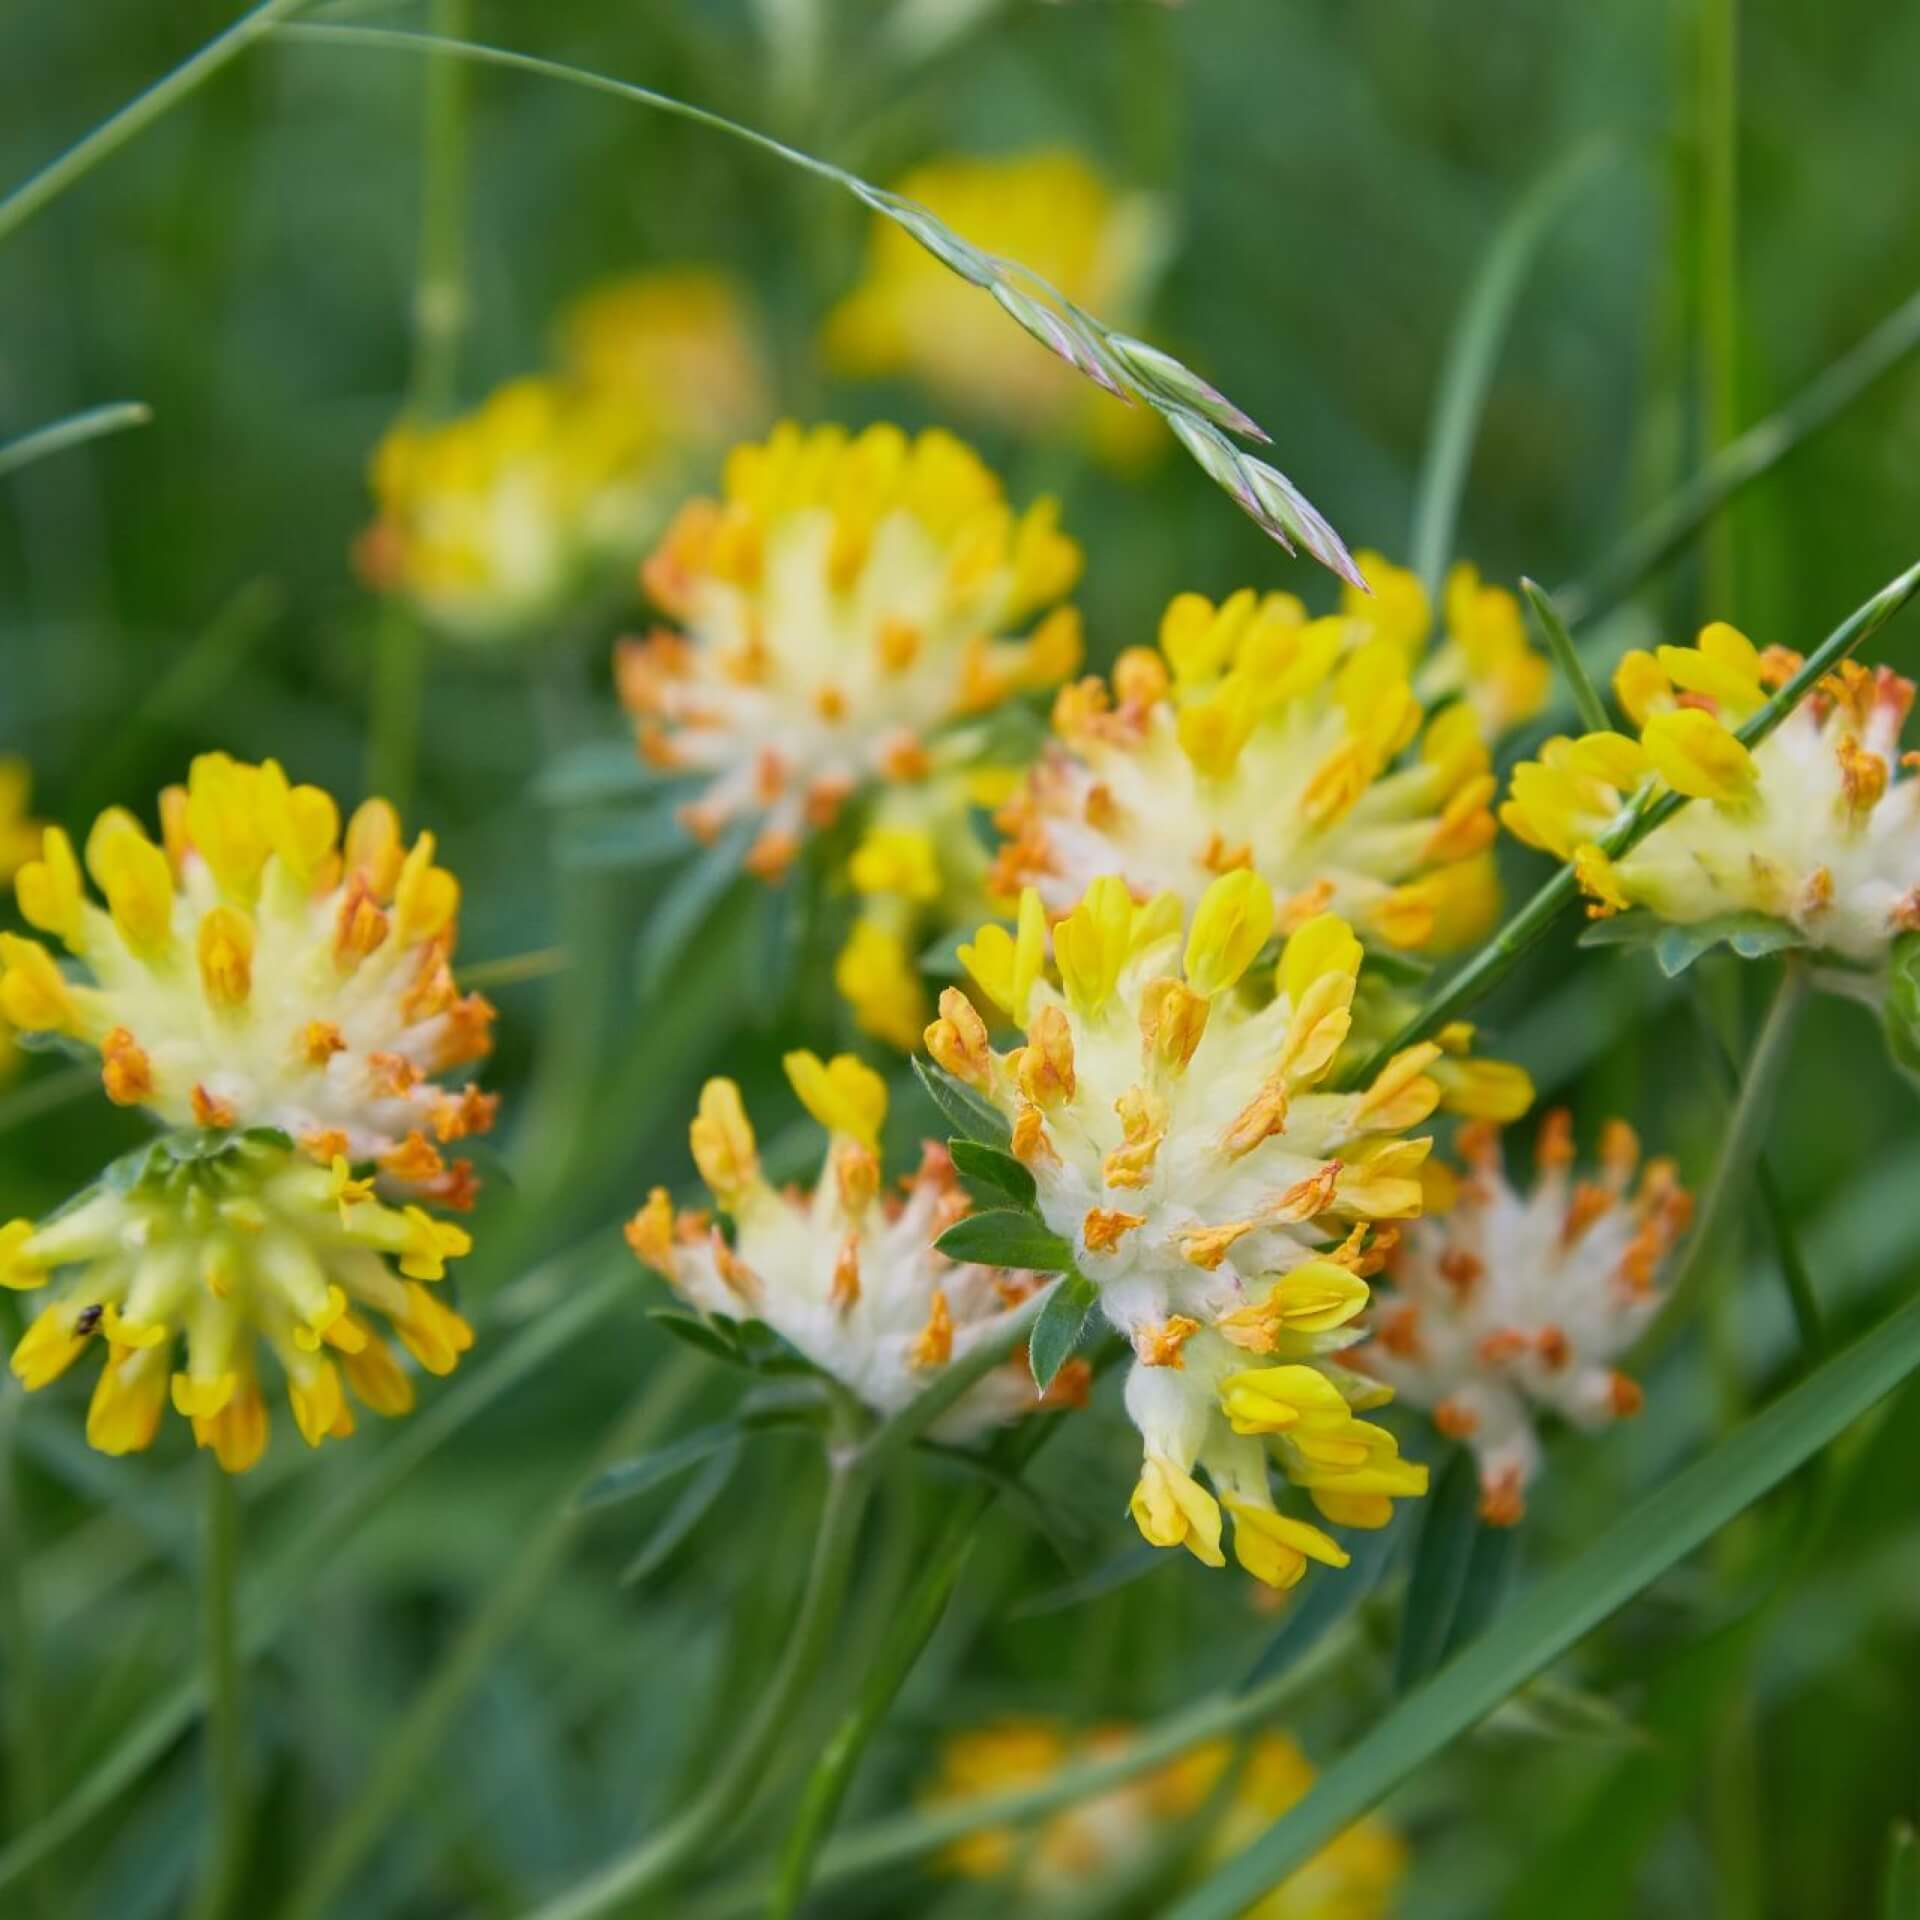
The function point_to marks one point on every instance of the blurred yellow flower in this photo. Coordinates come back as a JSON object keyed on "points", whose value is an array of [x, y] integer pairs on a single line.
{"points": [[1501, 1306], [252, 970], [489, 522], [847, 1274], [846, 596], [223, 1241], [1254, 739], [1103, 1837], [1053, 213], [1813, 827], [1225, 1208]]}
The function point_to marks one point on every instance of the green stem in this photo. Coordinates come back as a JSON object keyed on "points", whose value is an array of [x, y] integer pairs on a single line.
{"points": [[410, 1743], [512, 969], [742, 1769], [139, 113], [1737, 465], [914, 1419], [221, 1865], [1740, 1144], [1467, 370], [1586, 696], [1498, 957], [74, 431], [1716, 88], [910, 1836], [26, 1726]]}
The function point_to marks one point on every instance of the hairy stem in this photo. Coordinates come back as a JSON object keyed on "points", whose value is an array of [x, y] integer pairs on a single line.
{"points": [[226, 1832]]}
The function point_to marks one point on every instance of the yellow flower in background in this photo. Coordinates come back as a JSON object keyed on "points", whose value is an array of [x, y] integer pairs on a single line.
{"points": [[1500, 1307], [222, 1242], [847, 1274], [1254, 739], [1226, 1208], [1813, 827], [677, 346], [254, 969], [845, 596], [19, 831], [491, 522], [1106, 1836], [1049, 210]]}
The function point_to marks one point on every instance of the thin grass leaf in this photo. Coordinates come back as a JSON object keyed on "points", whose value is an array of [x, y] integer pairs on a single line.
{"points": [[1460, 397], [995, 1179], [1201, 417], [1442, 1555], [687, 905], [1566, 656], [682, 1517], [78, 428], [964, 1111], [1001, 1237], [628, 1479], [1133, 1563], [1624, 1560]]}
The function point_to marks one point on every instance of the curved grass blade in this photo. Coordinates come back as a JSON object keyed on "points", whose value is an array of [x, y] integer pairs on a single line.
{"points": [[1666, 1527], [1201, 417], [74, 431], [1442, 1557], [1467, 372]]}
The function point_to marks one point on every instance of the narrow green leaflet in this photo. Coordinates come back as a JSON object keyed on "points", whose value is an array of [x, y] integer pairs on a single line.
{"points": [[595, 772], [1688, 1510], [1751, 935], [1001, 1237], [1325, 1604], [688, 904], [682, 1517], [1442, 1555], [965, 1112], [716, 1342], [624, 841], [1130, 1564], [995, 1179], [631, 1478], [1901, 1017], [1062, 1322]]}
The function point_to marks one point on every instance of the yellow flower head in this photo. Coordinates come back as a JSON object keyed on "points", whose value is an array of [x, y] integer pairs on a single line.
{"points": [[847, 1274], [1220, 1200], [221, 1242], [1254, 738], [1115, 1833], [846, 596], [1508, 1305], [255, 969], [1813, 827], [487, 522], [1054, 214]]}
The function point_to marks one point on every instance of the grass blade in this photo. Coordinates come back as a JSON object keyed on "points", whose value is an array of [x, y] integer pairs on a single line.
{"points": [[75, 430], [1467, 371], [1624, 1560], [1586, 696]]}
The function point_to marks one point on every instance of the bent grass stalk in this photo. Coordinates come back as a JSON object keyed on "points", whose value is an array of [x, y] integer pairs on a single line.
{"points": [[1498, 957], [76, 430], [1203, 420]]}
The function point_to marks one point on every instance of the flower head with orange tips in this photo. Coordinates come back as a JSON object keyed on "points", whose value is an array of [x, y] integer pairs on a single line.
{"points": [[846, 596], [283, 997], [1814, 828], [1106, 1836], [847, 1274], [1253, 738], [1224, 1205], [1502, 1306]]}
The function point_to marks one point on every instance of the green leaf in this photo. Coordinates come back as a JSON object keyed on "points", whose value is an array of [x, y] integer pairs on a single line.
{"points": [[1332, 1596], [1058, 1330], [1442, 1556], [623, 842], [594, 772], [710, 1337], [1901, 1015], [1133, 1563], [992, 1177], [1675, 948], [1553, 1616], [1547, 1709], [682, 1517], [1900, 1879], [965, 1112], [1002, 1238], [688, 904], [631, 1478]]}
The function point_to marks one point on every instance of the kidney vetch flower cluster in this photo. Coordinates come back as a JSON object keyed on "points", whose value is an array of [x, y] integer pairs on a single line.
{"points": [[1502, 1306], [846, 596], [1225, 1206], [285, 997], [847, 1274]]}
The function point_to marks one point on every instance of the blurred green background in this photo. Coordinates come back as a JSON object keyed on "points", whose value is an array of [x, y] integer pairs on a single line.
{"points": [[1335, 174]]}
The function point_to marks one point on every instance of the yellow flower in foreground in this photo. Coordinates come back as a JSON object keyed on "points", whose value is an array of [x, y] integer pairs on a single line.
{"points": [[1508, 1306], [1225, 1207], [845, 597], [254, 970], [1052, 213], [1812, 827], [678, 348], [1255, 738], [1105, 1837], [847, 1274], [223, 1241]]}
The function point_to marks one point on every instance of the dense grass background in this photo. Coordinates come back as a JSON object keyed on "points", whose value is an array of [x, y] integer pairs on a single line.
{"points": [[1337, 173]]}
